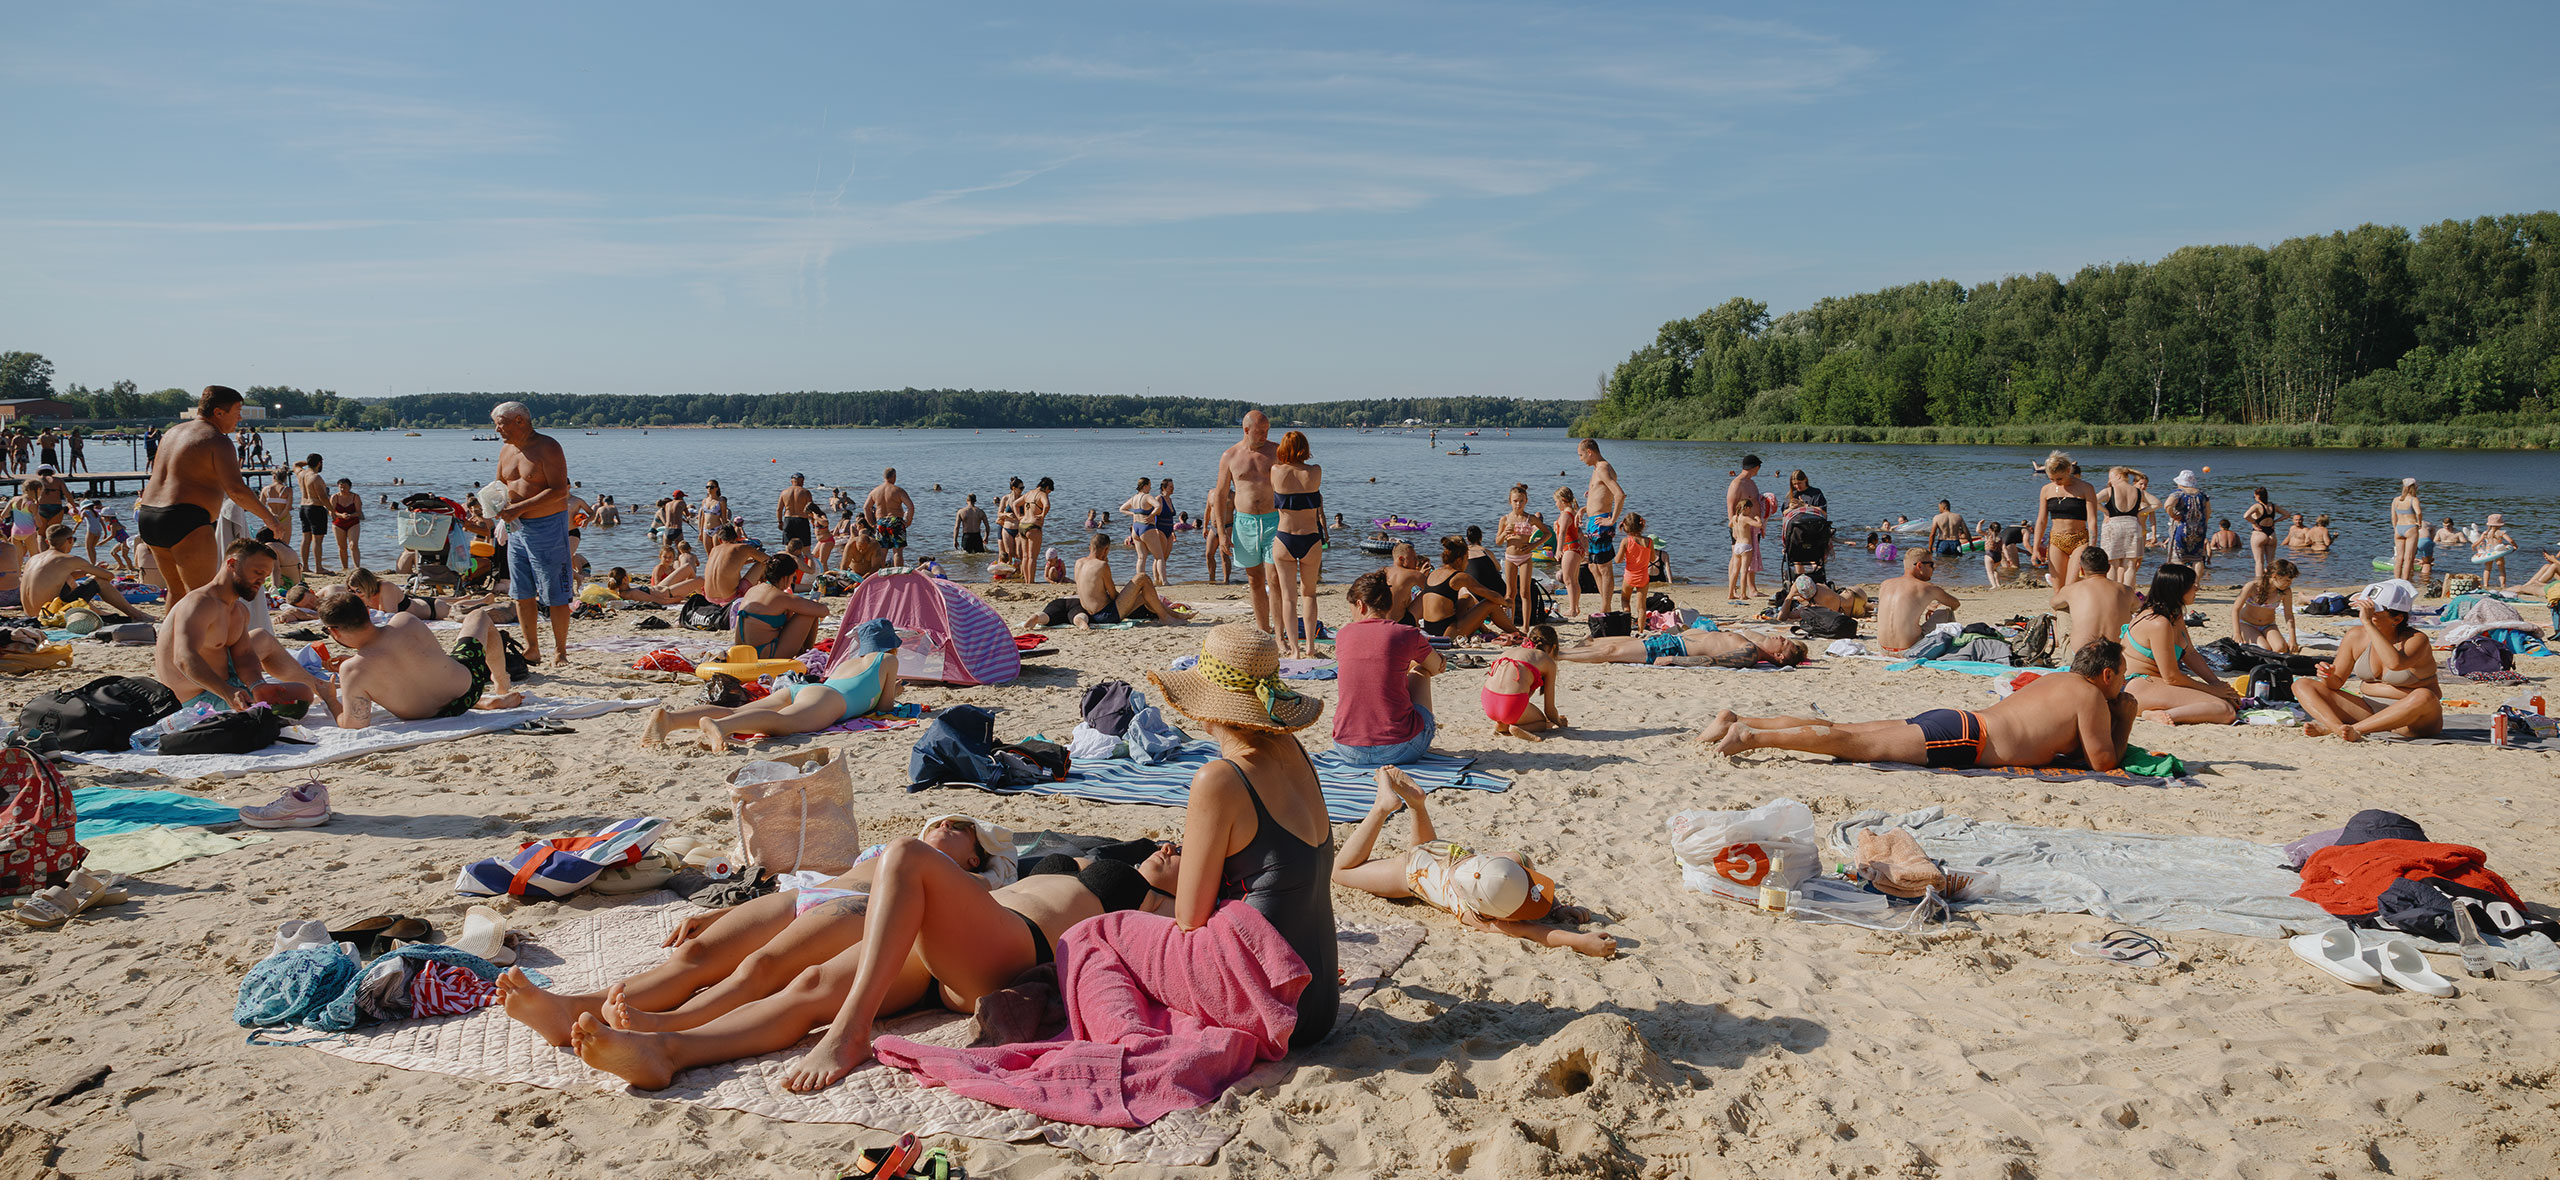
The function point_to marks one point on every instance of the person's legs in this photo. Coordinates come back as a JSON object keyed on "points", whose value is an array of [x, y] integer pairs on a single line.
{"points": [[796, 636], [807, 711], [189, 563], [1141, 591], [1309, 604], [697, 962], [478, 625], [651, 1060], [2330, 708], [1862, 741], [663, 720], [1571, 563], [1614, 649], [1726, 719], [827, 930], [2262, 547], [1352, 867], [2178, 705]]}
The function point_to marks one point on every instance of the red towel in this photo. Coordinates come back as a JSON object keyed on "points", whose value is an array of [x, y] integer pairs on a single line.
{"points": [[1158, 1020], [2349, 879]]}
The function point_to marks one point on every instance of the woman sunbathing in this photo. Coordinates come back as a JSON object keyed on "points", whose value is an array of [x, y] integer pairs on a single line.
{"points": [[1502, 893], [2163, 671], [726, 957], [773, 620], [864, 682], [940, 934], [617, 582], [1515, 674], [1694, 648], [2393, 665], [2255, 609], [392, 600]]}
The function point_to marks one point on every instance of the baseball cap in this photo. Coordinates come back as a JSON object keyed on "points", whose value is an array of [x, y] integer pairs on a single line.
{"points": [[2392, 595]]}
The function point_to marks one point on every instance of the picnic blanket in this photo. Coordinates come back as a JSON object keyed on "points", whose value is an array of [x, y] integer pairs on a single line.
{"points": [[619, 940], [2472, 729], [1292, 668], [2136, 878], [105, 811], [339, 745], [2050, 774], [1968, 667], [157, 846], [1348, 790]]}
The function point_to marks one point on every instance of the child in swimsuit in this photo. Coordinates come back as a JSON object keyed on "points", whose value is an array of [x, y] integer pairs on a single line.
{"points": [[1515, 674], [1518, 534]]}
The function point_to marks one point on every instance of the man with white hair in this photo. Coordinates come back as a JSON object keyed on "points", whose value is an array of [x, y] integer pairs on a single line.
{"points": [[1244, 474], [536, 475]]}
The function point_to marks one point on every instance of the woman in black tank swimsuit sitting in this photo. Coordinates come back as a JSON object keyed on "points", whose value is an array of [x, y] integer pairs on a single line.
{"points": [[1299, 498], [1437, 608], [1256, 827]]}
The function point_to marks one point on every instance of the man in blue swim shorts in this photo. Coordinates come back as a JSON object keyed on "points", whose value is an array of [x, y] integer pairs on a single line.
{"points": [[1699, 646], [1244, 473], [2080, 717], [536, 475]]}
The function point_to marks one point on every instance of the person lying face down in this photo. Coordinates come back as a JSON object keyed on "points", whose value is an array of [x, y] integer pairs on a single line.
{"points": [[2084, 712], [1499, 892], [931, 930], [1693, 648]]}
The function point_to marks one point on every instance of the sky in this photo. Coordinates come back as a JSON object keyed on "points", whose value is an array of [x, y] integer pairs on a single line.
{"points": [[1273, 201]]}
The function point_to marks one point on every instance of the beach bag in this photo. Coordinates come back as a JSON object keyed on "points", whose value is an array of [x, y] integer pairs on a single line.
{"points": [[517, 667], [702, 614], [795, 813], [2327, 604], [1731, 854], [2035, 645], [1048, 759], [100, 715], [39, 845], [1611, 623], [422, 533], [2461, 584], [1819, 622], [1808, 538], [2269, 682], [2224, 655], [1108, 706], [548, 870], [243, 731], [1658, 602], [958, 747], [2480, 656], [45, 658]]}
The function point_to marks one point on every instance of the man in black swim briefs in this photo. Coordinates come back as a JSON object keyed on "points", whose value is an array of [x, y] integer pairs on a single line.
{"points": [[195, 470], [2083, 714], [1097, 603]]}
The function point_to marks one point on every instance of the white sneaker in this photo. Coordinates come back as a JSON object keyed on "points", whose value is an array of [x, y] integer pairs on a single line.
{"points": [[305, 806]]}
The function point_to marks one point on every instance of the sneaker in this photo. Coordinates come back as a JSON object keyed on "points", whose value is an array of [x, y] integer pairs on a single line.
{"points": [[305, 806]]}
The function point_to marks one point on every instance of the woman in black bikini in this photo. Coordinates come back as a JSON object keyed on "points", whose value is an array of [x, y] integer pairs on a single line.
{"points": [[1256, 824], [381, 595], [2262, 517], [2064, 507], [1300, 498], [1436, 605]]}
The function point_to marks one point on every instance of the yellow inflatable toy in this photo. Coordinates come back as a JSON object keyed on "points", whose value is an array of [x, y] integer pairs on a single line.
{"points": [[743, 664]]}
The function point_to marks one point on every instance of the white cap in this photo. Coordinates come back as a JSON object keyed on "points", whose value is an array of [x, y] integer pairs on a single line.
{"points": [[1490, 886], [2408, 481], [2186, 479], [2391, 594]]}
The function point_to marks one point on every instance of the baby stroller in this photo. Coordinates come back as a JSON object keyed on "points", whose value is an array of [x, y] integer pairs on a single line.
{"points": [[426, 529]]}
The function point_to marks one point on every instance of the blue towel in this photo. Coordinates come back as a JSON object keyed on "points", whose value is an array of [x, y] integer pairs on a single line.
{"points": [[1348, 790], [1971, 667], [105, 811]]}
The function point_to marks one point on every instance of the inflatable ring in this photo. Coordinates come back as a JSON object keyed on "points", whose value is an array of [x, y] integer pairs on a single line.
{"points": [[744, 665]]}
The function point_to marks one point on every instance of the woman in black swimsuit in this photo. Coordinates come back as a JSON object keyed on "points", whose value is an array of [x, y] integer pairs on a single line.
{"points": [[2064, 507], [1300, 499], [1256, 824], [2262, 517], [1437, 608]]}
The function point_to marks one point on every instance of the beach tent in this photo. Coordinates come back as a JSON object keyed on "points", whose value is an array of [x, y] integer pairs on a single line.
{"points": [[948, 634]]}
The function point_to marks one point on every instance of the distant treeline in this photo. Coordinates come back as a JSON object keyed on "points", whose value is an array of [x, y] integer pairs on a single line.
{"points": [[962, 408], [2455, 331]]}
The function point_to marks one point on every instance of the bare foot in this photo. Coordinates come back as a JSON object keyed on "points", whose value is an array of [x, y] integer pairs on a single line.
{"points": [[655, 731], [1592, 943], [711, 737], [544, 1012], [504, 700], [1393, 779], [1715, 728], [1735, 740], [2159, 715], [636, 1058], [2347, 733], [532, 652], [826, 1063], [1522, 734]]}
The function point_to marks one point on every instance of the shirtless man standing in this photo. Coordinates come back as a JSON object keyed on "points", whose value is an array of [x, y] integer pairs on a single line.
{"points": [[791, 512], [1218, 547], [401, 667], [672, 516], [536, 474], [195, 471], [1096, 602], [1906, 607], [969, 527], [57, 572], [1603, 502], [1244, 473], [2084, 711], [314, 514], [1742, 503], [891, 510], [1947, 531], [208, 647], [2099, 606]]}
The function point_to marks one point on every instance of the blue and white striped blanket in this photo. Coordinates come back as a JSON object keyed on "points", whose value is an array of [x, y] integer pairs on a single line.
{"points": [[1348, 790]]}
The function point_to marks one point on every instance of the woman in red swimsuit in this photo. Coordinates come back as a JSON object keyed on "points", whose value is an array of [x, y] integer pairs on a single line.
{"points": [[1513, 676]]}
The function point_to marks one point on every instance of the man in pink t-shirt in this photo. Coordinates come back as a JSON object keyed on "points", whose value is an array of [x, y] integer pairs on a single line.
{"points": [[1382, 715]]}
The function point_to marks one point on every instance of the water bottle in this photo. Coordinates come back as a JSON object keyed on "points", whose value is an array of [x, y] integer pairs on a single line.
{"points": [[2498, 728]]}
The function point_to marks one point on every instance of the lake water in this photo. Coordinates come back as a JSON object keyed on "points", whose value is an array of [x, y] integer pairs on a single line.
{"points": [[1677, 486]]}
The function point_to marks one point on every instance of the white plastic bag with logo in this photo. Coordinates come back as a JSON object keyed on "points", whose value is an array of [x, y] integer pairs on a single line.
{"points": [[1730, 853]]}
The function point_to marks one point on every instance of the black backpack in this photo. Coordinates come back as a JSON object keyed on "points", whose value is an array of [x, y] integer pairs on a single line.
{"points": [[244, 732], [1808, 539], [702, 614], [1658, 602], [1822, 622], [2269, 682], [100, 715], [1612, 623], [1050, 757]]}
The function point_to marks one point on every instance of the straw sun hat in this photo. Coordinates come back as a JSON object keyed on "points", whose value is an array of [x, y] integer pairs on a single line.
{"points": [[1238, 683]]}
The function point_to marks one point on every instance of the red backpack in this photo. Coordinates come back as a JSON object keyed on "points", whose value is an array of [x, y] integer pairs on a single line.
{"points": [[37, 844]]}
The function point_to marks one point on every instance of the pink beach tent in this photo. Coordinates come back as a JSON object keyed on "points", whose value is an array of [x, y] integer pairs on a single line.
{"points": [[947, 634]]}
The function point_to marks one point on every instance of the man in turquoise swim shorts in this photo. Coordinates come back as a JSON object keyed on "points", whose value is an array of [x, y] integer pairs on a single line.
{"points": [[1244, 474]]}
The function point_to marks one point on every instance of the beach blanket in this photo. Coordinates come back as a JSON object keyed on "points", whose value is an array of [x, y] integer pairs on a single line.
{"points": [[1349, 790], [2136, 878], [105, 811], [2472, 729], [1158, 1021], [1290, 669], [628, 643], [2050, 774], [1968, 667], [157, 846], [339, 745], [618, 940]]}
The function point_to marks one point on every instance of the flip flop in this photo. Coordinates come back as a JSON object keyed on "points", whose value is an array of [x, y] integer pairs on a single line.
{"points": [[882, 1163], [540, 727], [2476, 960], [2398, 960], [2132, 948], [937, 1164], [2335, 951], [81, 892]]}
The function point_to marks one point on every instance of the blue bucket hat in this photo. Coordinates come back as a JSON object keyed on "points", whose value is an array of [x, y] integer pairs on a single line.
{"points": [[876, 635]]}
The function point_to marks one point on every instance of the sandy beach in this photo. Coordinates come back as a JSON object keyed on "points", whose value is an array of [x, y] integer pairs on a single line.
{"points": [[1719, 1042]]}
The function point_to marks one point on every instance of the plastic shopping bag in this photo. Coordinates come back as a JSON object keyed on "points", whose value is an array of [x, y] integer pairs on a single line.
{"points": [[1731, 854]]}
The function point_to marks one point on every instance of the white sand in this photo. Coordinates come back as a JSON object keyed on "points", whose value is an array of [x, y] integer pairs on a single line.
{"points": [[1719, 1043]]}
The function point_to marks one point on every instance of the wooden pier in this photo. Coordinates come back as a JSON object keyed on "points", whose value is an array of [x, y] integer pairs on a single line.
{"points": [[85, 483]]}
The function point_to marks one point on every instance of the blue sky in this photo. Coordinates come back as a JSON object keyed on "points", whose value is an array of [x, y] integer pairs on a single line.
{"points": [[1280, 201]]}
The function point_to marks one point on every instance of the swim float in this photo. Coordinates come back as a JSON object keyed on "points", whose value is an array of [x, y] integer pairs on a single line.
{"points": [[1402, 525], [743, 664]]}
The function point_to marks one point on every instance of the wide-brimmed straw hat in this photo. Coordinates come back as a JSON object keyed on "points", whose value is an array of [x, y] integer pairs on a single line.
{"points": [[1237, 682]]}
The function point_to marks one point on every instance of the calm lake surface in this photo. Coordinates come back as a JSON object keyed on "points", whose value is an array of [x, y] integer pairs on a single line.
{"points": [[1677, 486]]}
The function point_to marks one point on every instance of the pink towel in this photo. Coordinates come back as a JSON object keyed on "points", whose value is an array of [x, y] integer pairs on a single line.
{"points": [[1158, 1020]]}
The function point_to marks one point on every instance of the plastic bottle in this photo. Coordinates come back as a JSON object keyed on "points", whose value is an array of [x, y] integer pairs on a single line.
{"points": [[2538, 710], [1773, 893], [2498, 728]]}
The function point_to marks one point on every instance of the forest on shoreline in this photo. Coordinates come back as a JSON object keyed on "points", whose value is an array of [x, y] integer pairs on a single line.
{"points": [[2371, 337]]}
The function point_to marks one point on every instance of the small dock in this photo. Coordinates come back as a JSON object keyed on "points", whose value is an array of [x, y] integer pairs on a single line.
{"points": [[85, 483]]}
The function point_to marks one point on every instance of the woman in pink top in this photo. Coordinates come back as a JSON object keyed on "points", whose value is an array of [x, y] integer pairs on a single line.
{"points": [[1383, 715]]}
